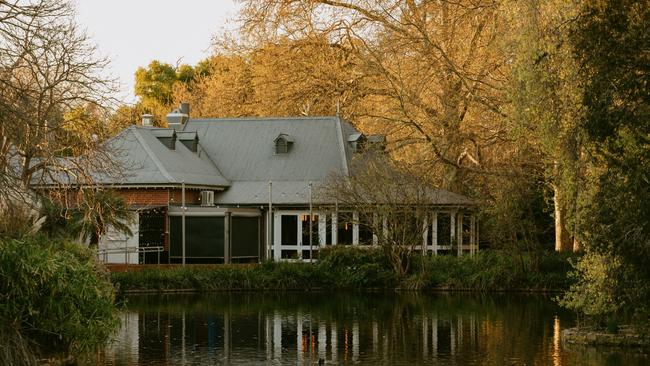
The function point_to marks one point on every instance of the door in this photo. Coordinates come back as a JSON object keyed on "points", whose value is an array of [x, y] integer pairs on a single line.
{"points": [[291, 235]]}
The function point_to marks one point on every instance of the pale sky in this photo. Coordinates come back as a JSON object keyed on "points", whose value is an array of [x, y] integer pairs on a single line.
{"points": [[132, 33]]}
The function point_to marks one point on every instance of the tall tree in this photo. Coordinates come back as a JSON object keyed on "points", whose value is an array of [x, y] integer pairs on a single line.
{"points": [[545, 106], [154, 84], [159, 83], [612, 44], [223, 90], [48, 70], [435, 65]]}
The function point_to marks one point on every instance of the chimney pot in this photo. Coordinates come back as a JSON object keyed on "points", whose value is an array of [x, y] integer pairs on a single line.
{"points": [[185, 108], [177, 118]]}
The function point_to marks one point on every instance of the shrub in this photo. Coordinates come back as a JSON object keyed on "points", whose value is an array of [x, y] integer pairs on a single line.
{"points": [[54, 297], [360, 268], [594, 292]]}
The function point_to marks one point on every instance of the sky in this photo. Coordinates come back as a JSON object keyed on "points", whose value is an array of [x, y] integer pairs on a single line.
{"points": [[132, 33]]}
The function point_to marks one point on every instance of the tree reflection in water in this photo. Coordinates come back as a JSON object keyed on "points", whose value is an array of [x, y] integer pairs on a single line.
{"points": [[372, 328]]}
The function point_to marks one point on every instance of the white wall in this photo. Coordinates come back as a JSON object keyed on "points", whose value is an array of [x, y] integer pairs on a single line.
{"points": [[115, 241]]}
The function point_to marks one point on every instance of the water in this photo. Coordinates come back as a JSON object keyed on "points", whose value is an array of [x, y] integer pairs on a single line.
{"points": [[295, 328]]}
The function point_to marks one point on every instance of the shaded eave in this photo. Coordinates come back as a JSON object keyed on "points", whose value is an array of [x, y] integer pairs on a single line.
{"points": [[134, 186]]}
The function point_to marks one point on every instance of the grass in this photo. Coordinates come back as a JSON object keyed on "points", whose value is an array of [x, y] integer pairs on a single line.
{"points": [[360, 269]]}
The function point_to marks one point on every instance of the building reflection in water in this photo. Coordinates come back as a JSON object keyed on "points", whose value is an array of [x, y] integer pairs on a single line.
{"points": [[414, 329]]}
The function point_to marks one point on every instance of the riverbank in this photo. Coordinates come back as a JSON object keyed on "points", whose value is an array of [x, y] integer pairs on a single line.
{"points": [[359, 269], [625, 337]]}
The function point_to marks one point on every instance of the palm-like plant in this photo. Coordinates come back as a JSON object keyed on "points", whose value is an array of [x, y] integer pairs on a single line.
{"points": [[98, 210]]}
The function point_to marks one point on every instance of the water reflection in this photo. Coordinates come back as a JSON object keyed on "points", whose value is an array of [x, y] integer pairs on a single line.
{"points": [[303, 329]]}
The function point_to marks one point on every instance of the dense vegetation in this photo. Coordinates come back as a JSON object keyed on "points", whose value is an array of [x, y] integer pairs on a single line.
{"points": [[538, 109], [359, 269], [54, 300]]}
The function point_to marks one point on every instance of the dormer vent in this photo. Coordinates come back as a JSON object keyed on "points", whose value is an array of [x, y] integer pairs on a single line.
{"points": [[283, 143], [356, 142], [189, 139], [166, 136]]}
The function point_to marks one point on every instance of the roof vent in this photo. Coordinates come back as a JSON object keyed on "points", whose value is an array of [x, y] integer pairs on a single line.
{"points": [[356, 141], [283, 143], [185, 108], [177, 118], [147, 120]]}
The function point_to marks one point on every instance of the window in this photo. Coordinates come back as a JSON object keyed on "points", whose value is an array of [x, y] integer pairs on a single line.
{"points": [[328, 229], [289, 230], [304, 219], [444, 228], [345, 228], [366, 224]]}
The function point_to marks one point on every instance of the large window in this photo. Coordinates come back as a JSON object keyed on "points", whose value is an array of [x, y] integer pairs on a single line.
{"points": [[204, 237], [366, 224], [444, 228], [245, 237], [289, 230], [430, 230], [345, 224], [328, 229], [466, 229], [304, 220], [151, 228]]}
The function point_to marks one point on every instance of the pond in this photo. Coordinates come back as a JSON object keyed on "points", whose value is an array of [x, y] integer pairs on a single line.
{"points": [[298, 328]]}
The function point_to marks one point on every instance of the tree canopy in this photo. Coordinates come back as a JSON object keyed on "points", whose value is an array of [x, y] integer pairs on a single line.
{"points": [[538, 109]]}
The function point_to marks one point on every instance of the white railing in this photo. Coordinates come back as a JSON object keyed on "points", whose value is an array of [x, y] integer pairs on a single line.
{"points": [[103, 253]]}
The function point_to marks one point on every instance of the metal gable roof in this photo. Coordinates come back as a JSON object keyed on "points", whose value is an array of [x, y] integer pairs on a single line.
{"points": [[243, 149], [239, 154], [145, 160]]}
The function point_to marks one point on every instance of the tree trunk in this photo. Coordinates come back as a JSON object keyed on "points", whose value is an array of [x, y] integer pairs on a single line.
{"points": [[562, 240], [577, 247]]}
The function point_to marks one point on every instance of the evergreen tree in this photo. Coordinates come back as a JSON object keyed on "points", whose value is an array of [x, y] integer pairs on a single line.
{"points": [[612, 41]]}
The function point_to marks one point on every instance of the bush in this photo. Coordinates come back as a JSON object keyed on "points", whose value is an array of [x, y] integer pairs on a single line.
{"points": [[595, 292], [360, 268], [496, 270], [53, 296]]}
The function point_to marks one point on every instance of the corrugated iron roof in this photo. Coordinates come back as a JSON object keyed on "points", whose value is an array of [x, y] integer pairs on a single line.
{"points": [[146, 160], [243, 149], [239, 153]]}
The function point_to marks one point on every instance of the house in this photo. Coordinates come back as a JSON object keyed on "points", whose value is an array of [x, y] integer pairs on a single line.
{"points": [[241, 190]]}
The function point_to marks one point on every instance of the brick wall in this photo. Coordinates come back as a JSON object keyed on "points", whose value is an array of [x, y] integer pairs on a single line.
{"points": [[144, 196], [191, 197], [163, 196]]}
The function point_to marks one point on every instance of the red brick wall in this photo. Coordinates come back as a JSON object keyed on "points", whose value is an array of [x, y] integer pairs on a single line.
{"points": [[162, 196], [138, 196], [191, 197]]}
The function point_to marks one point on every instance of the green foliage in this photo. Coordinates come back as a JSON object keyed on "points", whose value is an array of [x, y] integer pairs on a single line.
{"points": [[269, 275], [53, 295], [154, 83], [101, 209], [543, 116], [496, 270], [609, 39], [359, 268], [595, 291]]}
